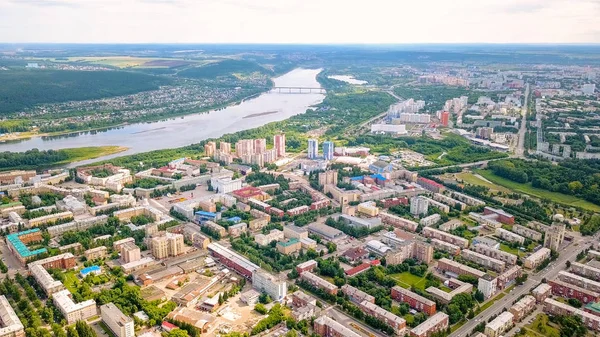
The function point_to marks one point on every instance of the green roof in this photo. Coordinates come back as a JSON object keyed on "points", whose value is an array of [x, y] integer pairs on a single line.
{"points": [[594, 306], [288, 243], [20, 246]]}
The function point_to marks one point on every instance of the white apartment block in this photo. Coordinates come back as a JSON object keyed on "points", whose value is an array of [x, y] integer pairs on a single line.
{"points": [[11, 326], [509, 236], [535, 259], [72, 311], [120, 324], [265, 282], [225, 185], [430, 220], [433, 233], [499, 325], [527, 232], [483, 260], [497, 254], [265, 239], [45, 280]]}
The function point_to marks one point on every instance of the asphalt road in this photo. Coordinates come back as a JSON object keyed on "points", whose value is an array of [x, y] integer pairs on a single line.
{"points": [[569, 253]]}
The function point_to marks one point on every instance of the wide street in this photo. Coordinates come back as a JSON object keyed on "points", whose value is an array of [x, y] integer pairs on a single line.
{"points": [[520, 150], [569, 253]]}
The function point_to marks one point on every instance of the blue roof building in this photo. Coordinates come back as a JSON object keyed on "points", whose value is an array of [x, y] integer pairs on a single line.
{"points": [[202, 216], [235, 219], [17, 246]]}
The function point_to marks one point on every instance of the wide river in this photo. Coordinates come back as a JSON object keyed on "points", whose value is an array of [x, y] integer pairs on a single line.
{"points": [[190, 129]]}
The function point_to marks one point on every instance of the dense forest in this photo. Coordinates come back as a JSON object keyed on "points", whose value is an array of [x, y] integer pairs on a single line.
{"points": [[580, 178], [31, 159], [31, 87]]}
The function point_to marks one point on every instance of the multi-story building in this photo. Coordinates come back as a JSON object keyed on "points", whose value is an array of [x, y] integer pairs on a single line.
{"points": [[542, 292], [449, 201], [289, 247], [585, 271], [210, 148], [61, 261], [398, 222], [564, 289], [371, 309], [430, 185], [418, 205], [95, 253], [445, 246], [435, 323], [225, 147], [72, 311], [453, 267], [509, 276], [441, 206], [298, 210], [458, 287], [215, 227], [279, 145], [49, 219], [313, 148], [508, 258], [368, 208], [483, 260], [527, 232], [415, 301], [267, 283], [328, 177], [10, 324], [579, 281], [120, 324], [430, 220], [555, 236], [291, 231], [433, 233], [467, 199], [509, 236], [327, 327], [522, 308], [45, 280], [309, 265], [355, 295], [170, 244], [225, 184], [554, 307], [499, 325], [318, 282], [536, 259], [326, 232], [265, 239], [488, 285], [16, 242], [130, 252], [500, 214], [328, 150], [232, 260]]}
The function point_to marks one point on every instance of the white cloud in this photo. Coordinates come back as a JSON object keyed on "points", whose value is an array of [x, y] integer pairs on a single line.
{"points": [[300, 21]]}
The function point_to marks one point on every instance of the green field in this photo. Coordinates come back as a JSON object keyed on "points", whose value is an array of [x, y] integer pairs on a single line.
{"points": [[538, 192], [542, 327], [470, 178], [91, 152], [507, 249], [71, 280], [406, 280]]}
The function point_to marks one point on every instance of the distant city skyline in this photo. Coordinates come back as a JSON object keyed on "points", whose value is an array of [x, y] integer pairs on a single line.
{"points": [[299, 21]]}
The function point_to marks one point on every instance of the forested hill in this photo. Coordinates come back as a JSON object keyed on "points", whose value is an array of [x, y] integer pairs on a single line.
{"points": [[23, 89]]}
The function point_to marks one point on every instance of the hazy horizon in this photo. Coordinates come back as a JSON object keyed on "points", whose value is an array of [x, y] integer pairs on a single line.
{"points": [[307, 22]]}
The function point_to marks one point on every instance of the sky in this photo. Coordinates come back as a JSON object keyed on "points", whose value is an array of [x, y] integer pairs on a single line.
{"points": [[300, 21]]}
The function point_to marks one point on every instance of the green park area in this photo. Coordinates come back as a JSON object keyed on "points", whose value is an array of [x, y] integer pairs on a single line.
{"points": [[538, 192], [472, 179], [540, 327], [407, 280]]}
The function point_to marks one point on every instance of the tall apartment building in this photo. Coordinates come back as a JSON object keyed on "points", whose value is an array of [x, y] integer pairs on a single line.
{"points": [[488, 285], [225, 147], [328, 177], [435, 323], [328, 150], [279, 145], [415, 301], [313, 148], [11, 326], [244, 147], [130, 252], [120, 324], [170, 244], [327, 327], [265, 282], [260, 145], [418, 206], [210, 148], [555, 236], [72, 311]]}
